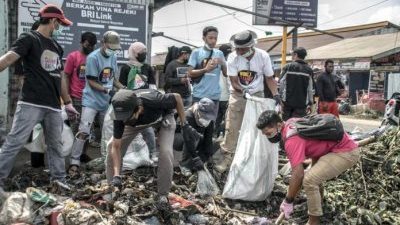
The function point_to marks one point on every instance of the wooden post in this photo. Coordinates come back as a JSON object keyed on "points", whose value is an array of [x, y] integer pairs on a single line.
{"points": [[284, 44]]}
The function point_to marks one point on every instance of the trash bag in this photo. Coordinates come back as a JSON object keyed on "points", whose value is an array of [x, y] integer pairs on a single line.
{"points": [[137, 154], [17, 208], [254, 155], [206, 185], [38, 143]]}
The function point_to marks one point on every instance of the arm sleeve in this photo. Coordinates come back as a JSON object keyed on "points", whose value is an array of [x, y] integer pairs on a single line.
{"points": [[92, 71], [123, 75], [267, 68], [207, 144], [119, 127], [193, 59], [320, 86], [170, 76], [22, 45], [152, 79], [310, 89], [231, 66], [69, 64]]}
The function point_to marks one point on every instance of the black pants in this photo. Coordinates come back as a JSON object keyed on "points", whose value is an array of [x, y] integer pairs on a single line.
{"points": [[220, 122], [290, 112]]}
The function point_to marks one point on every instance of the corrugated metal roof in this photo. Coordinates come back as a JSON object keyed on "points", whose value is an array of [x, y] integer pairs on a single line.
{"points": [[374, 46]]}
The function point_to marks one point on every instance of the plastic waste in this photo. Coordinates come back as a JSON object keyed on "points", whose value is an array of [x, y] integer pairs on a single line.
{"points": [[206, 184]]}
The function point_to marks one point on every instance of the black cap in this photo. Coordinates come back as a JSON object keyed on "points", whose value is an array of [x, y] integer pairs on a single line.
{"points": [[226, 49], [185, 49], [124, 102]]}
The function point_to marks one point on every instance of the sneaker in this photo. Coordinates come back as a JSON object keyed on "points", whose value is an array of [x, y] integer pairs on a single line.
{"points": [[63, 184], [185, 171], [117, 182]]}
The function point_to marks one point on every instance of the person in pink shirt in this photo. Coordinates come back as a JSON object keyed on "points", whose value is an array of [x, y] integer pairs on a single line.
{"points": [[329, 159], [75, 73]]}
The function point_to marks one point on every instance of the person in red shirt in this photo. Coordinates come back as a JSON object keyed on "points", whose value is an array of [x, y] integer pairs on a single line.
{"points": [[329, 159]]}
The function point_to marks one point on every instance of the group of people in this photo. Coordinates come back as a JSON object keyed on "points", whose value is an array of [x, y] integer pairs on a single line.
{"points": [[204, 87]]}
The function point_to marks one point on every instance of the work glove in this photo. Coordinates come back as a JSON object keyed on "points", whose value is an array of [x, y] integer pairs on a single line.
{"points": [[117, 182], [197, 164], [286, 208], [71, 112], [244, 92], [277, 99]]}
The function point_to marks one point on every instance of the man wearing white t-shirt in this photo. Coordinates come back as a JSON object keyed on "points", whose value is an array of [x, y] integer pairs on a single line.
{"points": [[248, 68]]}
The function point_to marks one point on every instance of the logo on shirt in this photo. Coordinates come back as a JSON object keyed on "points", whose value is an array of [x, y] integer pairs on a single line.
{"points": [[50, 61], [81, 71], [246, 77], [106, 75]]}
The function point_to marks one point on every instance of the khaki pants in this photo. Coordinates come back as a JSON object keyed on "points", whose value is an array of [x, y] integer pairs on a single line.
{"points": [[233, 123], [328, 166]]}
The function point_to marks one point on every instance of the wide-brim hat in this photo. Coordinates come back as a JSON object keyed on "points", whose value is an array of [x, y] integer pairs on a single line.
{"points": [[243, 39]]}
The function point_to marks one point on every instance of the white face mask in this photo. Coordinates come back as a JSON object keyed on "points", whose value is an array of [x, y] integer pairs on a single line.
{"points": [[207, 46], [57, 32], [109, 52], [248, 53], [203, 122]]}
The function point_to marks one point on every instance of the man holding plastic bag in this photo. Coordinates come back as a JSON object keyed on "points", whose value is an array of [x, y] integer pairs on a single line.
{"points": [[134, 111]]}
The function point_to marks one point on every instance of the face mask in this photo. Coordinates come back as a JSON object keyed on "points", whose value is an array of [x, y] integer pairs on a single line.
{"points": [[275, 138], [203, 123], [141, 57], [87, 50], [207, 46], [57, 32], [109, 52], [248, 53]]}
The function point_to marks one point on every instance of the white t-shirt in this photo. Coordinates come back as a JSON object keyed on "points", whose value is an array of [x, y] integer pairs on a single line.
{"points": [[250, 72], [224, 85]]}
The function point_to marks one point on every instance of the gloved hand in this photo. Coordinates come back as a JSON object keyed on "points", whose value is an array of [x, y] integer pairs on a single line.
{"points": [[287, 209], [117, 182], [277, 99], [244, 92], [197, 164], [71, 112], [191, 137]]}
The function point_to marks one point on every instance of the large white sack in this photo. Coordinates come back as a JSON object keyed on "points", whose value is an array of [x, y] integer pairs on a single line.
{"points": [[255, 164]]}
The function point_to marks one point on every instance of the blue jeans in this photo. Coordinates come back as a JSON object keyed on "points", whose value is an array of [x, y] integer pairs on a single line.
{"points": [[25, 118]]}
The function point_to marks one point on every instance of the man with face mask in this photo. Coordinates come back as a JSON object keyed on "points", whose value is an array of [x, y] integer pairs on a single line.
{"points": [[248, 69], [329, 160], [101, 68], [137, 74], [134, 111], [176, 76], [197, 148], [40, 98], [205, 65]]}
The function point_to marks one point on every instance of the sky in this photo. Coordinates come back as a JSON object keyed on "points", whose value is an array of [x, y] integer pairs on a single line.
{"points": [[185, 20]]}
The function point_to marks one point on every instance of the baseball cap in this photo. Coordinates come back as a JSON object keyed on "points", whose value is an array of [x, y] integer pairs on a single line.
{"points": [[124, 103], [185, 49], [112, 38], [52, 11], [244, 39], [206, 109]]}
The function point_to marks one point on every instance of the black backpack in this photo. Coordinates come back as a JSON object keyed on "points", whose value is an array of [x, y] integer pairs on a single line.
{"points": [[320, 127]]}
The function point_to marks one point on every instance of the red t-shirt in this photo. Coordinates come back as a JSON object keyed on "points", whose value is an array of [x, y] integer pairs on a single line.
{"points": [[298, 149], [75, 66]]}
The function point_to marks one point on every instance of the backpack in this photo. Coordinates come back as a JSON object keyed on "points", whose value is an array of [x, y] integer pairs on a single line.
{"points": [[320, 127]]}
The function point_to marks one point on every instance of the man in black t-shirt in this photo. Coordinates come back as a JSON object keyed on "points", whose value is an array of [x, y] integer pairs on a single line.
{"points": [[134, 111], [40, 99], [176, 76]]}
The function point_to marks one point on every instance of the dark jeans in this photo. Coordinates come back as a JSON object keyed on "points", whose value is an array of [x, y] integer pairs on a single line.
{"points": [[220, 122], [290, 112]]}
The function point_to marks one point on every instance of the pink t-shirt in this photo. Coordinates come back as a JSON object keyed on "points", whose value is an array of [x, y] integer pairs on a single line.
{"points": [[298, 149], [75, 66]]}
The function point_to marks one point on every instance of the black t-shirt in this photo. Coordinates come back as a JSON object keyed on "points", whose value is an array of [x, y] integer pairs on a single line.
{"points": [[146, 71], [173, 74], [155, 104], [42, 66]]}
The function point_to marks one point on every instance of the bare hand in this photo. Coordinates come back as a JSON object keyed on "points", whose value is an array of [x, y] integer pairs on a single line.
{"points": [[211, 65]]}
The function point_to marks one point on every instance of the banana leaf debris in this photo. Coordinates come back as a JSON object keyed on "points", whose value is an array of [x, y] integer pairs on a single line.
{"points": [[369, 193]]}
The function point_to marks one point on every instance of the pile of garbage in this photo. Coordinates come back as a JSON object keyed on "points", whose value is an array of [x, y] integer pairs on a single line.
{"points": [[365, 194]]}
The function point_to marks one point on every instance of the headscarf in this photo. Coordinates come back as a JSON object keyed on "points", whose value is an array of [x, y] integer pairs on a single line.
{"points": [[134, 49]]}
